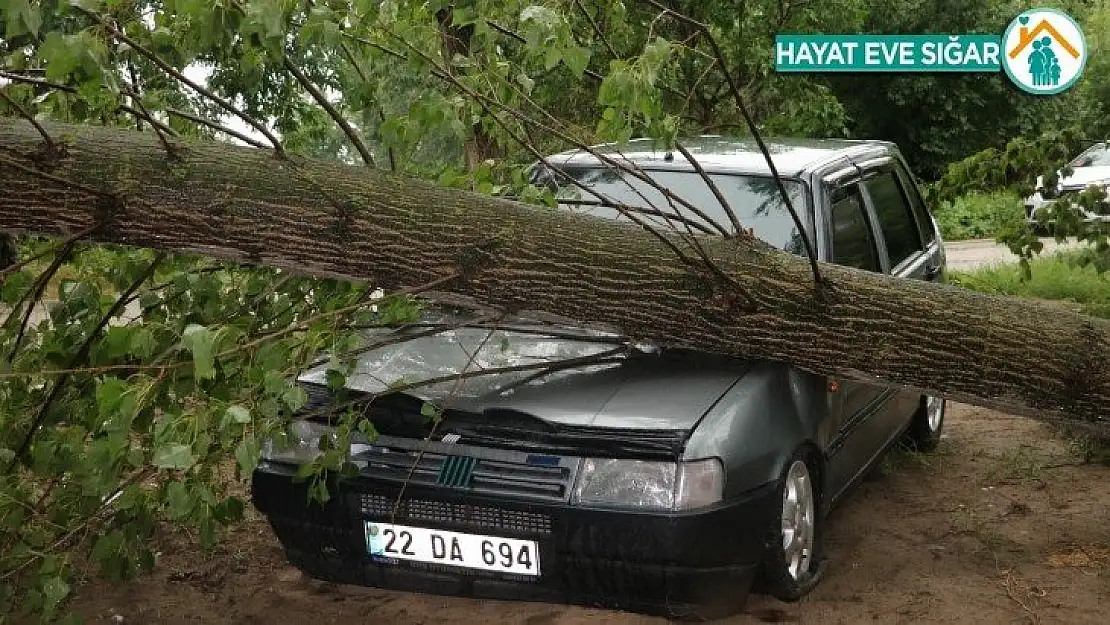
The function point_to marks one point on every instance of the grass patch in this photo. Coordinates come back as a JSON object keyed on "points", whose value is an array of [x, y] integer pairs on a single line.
{"points": [[979, 215], [1024, 464], [1055, 277]]}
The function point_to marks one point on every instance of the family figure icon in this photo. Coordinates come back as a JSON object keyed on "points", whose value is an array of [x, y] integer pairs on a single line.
{"points": [[1043, 64]]}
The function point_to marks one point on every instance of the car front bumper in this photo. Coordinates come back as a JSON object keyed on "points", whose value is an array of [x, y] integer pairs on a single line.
{"points": [[691, 565]]}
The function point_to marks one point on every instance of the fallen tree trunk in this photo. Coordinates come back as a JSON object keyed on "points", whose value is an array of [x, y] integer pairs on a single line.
{"points": [[327, 219]]}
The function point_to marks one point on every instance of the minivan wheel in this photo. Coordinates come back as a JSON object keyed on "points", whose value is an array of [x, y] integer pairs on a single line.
{"points": [[794, 562], [928, 422]]}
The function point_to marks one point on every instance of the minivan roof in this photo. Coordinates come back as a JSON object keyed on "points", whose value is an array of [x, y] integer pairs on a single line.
{"points": [[717, 154]]}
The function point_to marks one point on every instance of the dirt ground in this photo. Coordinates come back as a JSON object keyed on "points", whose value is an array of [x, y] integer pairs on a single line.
{"points": [[1002, 525]]}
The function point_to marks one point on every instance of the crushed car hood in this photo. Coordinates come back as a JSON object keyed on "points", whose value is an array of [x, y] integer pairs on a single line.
{"points": [[653, 389]]}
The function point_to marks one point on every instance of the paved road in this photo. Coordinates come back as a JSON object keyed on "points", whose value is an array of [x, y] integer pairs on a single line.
{"points": [[975, 253]]}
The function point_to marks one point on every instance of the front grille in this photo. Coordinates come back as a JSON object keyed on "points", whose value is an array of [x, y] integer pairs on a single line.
{"points": [[505, 478], [457, 515]]}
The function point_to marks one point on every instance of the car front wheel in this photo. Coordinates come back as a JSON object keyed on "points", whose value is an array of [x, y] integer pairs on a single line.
{"points": [[794, 563], [928, 421]]}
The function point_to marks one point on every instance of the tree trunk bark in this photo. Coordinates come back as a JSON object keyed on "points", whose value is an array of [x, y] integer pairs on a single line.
{"points": [[330, 220]]}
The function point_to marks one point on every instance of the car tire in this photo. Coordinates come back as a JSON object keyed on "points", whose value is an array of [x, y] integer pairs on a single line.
{"points": [[928, 423], [790, 570]]}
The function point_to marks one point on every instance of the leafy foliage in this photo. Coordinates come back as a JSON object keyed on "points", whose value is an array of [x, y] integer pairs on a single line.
{"points": [[175, 395], [979, 215]]}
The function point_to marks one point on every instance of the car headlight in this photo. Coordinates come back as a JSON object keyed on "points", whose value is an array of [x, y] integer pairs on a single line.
{"points": [[300, 446], [649, 485]]}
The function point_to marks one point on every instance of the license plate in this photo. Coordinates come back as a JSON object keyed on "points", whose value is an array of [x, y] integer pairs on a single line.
{"points": [[471, 551]]}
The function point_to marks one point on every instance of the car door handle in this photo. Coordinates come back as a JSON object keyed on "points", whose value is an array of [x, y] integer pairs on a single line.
{"points": [[932, 272]]}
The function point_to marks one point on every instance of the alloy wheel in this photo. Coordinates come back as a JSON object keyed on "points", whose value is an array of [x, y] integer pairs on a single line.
{"points": [[798, 520]]}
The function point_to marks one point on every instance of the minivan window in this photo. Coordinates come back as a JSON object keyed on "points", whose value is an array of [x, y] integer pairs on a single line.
{"points": [[754, 199], [852, 241], [895, 219], [924, 220]]}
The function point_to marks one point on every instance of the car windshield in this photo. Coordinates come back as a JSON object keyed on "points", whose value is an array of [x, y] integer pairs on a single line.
{"points": [[754, 199], [1097, 156]]}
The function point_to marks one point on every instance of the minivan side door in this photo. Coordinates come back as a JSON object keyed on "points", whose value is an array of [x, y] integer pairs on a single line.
{"points": [[855, 405], [911, 248]]}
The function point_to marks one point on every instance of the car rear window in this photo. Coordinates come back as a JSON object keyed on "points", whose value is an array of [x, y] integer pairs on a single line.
{"points": [[899, 229], [755, 200]]}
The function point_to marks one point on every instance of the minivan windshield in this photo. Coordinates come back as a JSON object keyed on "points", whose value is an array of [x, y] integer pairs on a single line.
{"points": [[754, 199], [1096, 156]]}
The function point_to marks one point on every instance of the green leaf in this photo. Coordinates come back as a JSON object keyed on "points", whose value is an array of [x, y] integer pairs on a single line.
{"points": [[229, 510], [295, 397], [268, 16], [525, 81], [179, 501], [143, 343], [274, 383], [335, 378], [61, 58], [238, 414], [54, 590], [174, 456], [366, 427], [247, 454], [20, 18], [576, 59], [108, 394], [200, 341], [431, 411]]}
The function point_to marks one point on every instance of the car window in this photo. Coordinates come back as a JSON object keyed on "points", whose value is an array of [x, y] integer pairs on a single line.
{"points": [[896, 222], [852, 240], [754, 199], [1095, 156], [928, 233]]}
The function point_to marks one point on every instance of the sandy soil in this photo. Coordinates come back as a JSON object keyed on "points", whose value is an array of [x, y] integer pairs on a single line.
{"points": [[1002, 525]]}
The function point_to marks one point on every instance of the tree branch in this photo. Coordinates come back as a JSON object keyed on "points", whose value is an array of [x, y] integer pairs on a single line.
{"points": [[322, 100], [712, 187], [178, 76], [217, 127], [27, 261], [597, 29], [30, 118], [811, 252]]}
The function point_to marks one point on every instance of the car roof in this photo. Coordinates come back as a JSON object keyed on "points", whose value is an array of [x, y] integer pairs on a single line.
{"points": [[717, 154]]}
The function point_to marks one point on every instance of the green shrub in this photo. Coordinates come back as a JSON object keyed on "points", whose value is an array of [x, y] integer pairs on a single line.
{"points": [[1057, 277], [979, 215]]}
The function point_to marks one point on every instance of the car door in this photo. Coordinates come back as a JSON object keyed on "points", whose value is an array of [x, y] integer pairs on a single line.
{"points": [[852, 242], [910, 248]]}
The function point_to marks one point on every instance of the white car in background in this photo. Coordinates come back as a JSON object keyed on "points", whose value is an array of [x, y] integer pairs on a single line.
{"points": [[1090, 168]]}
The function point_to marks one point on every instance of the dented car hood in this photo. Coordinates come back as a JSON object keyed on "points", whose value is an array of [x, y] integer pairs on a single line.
{"points": [[641, 389]]}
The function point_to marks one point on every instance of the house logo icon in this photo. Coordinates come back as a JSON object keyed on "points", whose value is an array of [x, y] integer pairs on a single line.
{"points": [[1044, 51]]}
